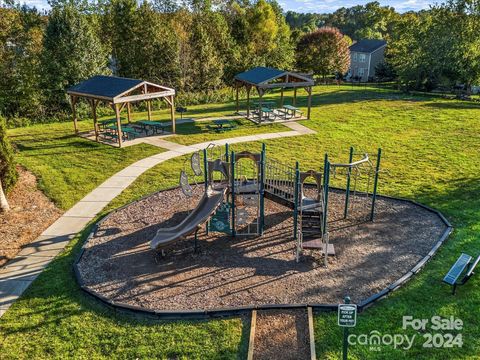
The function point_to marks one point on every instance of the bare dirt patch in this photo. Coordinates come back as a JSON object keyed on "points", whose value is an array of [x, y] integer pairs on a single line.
{"points": [[119, 264], [31, 213], [281, 335]]}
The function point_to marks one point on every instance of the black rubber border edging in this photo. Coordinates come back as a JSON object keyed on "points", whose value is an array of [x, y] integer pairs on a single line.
{"points": [[236, 311]]}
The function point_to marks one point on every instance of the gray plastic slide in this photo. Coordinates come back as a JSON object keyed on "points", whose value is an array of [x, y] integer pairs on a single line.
{"points": [[205, 208]]}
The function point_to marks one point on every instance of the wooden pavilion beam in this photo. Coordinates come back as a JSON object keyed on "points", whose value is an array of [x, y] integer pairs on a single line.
{"points": [[149, 110], [93, 104], [236, 98], [172, 113], [73, 100], [309, 108], [249, 88], [119, 124], [129, 113]]}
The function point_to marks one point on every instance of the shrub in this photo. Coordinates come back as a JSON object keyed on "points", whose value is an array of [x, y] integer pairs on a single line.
{"points": [[8, 171]]}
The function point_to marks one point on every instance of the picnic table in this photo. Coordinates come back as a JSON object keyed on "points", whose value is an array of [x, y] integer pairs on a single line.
{"points": [[291, 111], [105, 123], [127, 131], [222, 125], [267, 114], [155, 126]]}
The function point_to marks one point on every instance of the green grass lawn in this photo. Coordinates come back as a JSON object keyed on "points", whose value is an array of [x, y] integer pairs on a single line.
{"points": [[430, 148]]}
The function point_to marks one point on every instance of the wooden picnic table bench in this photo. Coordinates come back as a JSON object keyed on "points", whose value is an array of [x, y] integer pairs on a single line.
{"points": [[222, 125], [104, 123], [155, 126], [291, 111], [127, 131], [267, 114]]}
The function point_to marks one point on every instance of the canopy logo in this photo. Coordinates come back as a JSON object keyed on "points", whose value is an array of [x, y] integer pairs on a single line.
{"points": [[431, 337]]}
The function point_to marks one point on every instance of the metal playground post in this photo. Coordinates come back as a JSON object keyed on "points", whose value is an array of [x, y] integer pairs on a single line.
{"points": [[296, 201], [232, 190], [347, 190], [262, 189], [375, 183]]}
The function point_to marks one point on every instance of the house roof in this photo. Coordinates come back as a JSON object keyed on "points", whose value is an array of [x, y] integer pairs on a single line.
{"points": [[261, 76], [112, 88], [367, 45]]}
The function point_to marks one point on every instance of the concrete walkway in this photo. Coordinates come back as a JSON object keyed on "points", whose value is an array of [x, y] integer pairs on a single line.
{"points": [[21, 271]]}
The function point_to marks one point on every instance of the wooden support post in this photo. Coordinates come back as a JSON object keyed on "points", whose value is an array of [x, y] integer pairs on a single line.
{"points": [[119, 125], [295, 97], [281, 97], [149, 108], [73, 100], [248, 100], [172, 112], [309, 109], [94, 103], [129, 113], [260, 97], [236, 98]]}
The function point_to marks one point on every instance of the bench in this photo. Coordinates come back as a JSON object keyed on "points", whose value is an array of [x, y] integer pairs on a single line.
{"points": [[462, 263]]}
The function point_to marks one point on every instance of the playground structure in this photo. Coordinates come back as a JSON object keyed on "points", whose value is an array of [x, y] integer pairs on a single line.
{"points": [[237, 184]]}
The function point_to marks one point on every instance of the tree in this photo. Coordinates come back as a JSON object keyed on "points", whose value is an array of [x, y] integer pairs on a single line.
{"points": [[21, 30], [8, 172], [72, 52], [439, 47], [323, 52]]}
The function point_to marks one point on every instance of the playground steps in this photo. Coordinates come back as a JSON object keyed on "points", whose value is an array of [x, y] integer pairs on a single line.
{"points": [[311, 226], [282, 334], [317, 244]]}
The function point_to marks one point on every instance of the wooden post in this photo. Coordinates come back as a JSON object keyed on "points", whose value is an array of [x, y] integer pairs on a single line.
{"points": [[149, 107], [260, 95], [119, 125], [309, 90], [129, 113], [94, 103], [295, 97], [248, 100], [73, 100], [281, 97], [172, 112], [236, 97]]}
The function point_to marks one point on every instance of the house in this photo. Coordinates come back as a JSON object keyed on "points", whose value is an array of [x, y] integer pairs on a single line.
{"points": [[365, 55]]}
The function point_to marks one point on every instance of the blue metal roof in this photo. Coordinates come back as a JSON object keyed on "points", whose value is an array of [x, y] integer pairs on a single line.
{"points": [[259, 75], [105, 86]]}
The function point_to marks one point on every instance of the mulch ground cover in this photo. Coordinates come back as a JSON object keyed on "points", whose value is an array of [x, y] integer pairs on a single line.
{"points": [[31, 213], [226, 272]]}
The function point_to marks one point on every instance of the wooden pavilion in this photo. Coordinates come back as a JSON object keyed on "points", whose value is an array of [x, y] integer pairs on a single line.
{"points": [[264, 79], [119, 92]]}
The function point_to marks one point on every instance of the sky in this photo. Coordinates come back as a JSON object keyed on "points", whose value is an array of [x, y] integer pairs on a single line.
{"points": [[320, 6]]}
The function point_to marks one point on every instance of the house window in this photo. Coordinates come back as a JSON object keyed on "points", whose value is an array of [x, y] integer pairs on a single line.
{"points": [[354, 56], [361, 71], [363, 58]]}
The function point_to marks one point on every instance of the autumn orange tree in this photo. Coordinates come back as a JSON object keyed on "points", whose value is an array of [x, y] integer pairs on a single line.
{"points": [[324, 52]]}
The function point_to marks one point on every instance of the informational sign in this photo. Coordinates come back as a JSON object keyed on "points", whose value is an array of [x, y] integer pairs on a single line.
{"points": [[347, 315]]}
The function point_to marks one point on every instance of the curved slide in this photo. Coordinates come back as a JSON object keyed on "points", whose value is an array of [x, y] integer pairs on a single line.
{"points": [[205, 208]]}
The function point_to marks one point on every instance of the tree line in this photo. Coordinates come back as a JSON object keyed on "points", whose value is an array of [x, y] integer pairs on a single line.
{"points": [[197, 46], [428, 49]]}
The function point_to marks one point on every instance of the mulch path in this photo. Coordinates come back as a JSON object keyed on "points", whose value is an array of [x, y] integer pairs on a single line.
{"points": [[119, 264], [31, 213], [281, 335]]}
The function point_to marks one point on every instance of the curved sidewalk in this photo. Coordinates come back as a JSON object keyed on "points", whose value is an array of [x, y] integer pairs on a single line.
{"points": [[21, 271]]}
